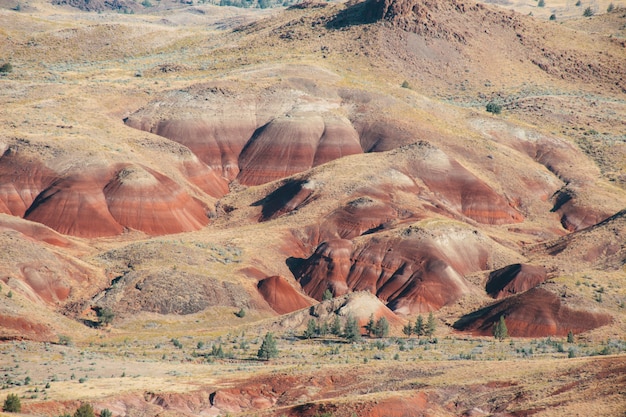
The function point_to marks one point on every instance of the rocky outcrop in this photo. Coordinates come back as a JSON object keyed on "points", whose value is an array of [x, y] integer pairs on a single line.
{"points": [[534, 313]]}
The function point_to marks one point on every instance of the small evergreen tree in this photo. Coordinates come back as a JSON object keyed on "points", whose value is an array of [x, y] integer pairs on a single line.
{"points": [[328, 295], [322, 329], [610, 8], [335, 327], [431, 325], [217, 351], [541, 3], [408, 329], [381, 328], [351, 330], [588, 12], [570, 337], [12, 404], [85, 410], [311, 329], [370, 327], [268, 349], [500, 330], [419, 326], [106, 413], [241, 313]]}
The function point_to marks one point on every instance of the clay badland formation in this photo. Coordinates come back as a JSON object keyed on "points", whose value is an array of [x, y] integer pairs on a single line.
{"points": [[208, 174]]}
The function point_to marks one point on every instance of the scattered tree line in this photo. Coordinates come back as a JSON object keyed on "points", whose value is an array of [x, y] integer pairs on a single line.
{"points": [[420, 328]]}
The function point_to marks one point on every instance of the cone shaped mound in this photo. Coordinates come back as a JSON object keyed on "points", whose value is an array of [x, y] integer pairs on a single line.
{"points": [[534, 313], [142, 199], [75, 205], [282, 296], [289, 145], [514, 279]]}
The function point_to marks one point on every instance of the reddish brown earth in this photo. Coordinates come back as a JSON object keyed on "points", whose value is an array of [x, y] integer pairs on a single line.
{"points": [[281, 295], [514, 279], [21, 328], [410, 274], [534, 313], [23, 179], [143, 199]]}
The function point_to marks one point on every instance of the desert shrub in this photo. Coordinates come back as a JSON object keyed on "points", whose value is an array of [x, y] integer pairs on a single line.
{"points": [[588, 12], [494, 108], [65, 340], [328, 295], [12, 404], [177, 343], [610, 8], [105, 316], [85, 410], [578, 3], [570, 337], [106, 413], [541, 3], [241, 313], [405, 84], [6, 67], [552, 16]]}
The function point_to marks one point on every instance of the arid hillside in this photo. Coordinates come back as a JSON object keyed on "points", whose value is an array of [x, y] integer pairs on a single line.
{"points": [[185, 170]]}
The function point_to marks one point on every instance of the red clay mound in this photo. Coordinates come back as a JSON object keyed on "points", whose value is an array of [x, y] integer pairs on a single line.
{"points": [[281, 296], [534, 313], [574, 215], [143, 199], [459, 188], [217, 143], [22, 180], [291, 144], [75, 205], [207, 179], [34, 231], [514, 279], [20, 328], [410, 275], [360, 216], [290, 196]]}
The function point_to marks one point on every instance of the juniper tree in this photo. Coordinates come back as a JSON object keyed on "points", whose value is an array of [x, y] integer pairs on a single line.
{"points": [[12, 404], [268, 349], [500, 330], [351, 330], [431, 325], [419, 326], [381, 329]]}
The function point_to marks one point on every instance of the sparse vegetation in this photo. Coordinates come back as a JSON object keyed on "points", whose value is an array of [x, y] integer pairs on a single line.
{"points": [[588, 12], [328, 295], [241, 313], [405, 84], [552, 16], [541, 3], [105, 316], [610, 8], [6, 68]]}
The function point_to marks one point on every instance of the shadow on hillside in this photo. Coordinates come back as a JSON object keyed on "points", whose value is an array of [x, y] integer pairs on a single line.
{"points": [[356, 13]]}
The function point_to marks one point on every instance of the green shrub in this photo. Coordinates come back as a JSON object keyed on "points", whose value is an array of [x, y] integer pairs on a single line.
{"points": [[85, 410], [494, 108], [405, 84], [588, 12], [12, 404], [552, 16], [241, 313], [541, 3], [610, 8], [6, 67], [106, 413]]}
